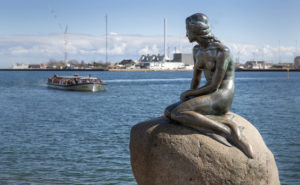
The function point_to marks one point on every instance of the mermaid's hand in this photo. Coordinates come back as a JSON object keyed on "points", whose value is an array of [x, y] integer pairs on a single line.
{"points": [[185, 95]]}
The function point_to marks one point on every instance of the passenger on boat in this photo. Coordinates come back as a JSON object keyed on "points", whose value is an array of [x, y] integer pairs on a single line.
{"points": [[73, 82]]}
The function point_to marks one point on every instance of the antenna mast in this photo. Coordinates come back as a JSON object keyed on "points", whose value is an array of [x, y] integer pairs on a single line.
{"points": [[65, 44], [279, 54], [106, 38], [165, 39], [296, 53]]}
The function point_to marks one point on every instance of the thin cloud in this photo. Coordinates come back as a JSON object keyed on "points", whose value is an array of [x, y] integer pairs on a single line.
{"points": [[40, 48], [247, 52]]}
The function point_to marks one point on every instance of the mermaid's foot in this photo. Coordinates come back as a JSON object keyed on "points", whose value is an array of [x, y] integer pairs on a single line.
{"points": [[238, 139], [243, 144]]}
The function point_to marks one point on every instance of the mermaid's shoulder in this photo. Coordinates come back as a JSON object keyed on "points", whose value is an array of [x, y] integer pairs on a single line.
{"points": [[195, 49]]}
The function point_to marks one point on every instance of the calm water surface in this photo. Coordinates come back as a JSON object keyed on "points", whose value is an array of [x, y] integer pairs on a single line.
{"points": [[51, 136]]}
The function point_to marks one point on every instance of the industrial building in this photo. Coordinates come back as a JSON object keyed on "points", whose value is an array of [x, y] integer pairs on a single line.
{"points": [[186, 58], [297, 62]]}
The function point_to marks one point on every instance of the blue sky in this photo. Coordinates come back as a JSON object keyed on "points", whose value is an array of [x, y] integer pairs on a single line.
{"points": [[32, 30]]}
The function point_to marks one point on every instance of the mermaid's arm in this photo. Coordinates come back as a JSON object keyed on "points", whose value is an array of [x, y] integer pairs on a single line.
{"points": [[197, 73], [194, 84], [196, 79]]}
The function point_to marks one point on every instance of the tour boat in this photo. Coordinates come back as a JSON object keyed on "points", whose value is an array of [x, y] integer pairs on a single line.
{"points": [[76, 83]]}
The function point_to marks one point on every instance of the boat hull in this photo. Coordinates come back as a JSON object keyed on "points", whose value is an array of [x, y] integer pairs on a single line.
{"points": [[78, 87]]}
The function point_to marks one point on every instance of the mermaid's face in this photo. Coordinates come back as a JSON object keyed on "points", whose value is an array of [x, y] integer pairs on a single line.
{"points": [[194, 38], [190, 35]]}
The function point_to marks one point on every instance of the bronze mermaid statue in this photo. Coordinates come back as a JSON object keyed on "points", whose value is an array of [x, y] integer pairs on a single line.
{"points": [[205, 108]]}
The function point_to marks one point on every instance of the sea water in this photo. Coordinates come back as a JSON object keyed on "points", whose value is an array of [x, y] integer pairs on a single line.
{"points": [[50, 136]]}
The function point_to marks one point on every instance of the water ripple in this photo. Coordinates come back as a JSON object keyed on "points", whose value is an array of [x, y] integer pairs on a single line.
{"points": [[61, 137]]}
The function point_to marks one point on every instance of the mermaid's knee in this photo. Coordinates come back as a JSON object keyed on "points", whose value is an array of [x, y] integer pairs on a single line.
{"points": [[171, 108], [168, 110], [176, 115]]}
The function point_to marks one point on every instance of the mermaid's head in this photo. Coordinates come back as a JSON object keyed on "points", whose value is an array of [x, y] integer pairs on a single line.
{"points": [[198, 25]]}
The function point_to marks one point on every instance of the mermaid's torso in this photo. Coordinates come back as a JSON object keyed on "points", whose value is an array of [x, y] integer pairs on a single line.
{"points": [[206, 60]]}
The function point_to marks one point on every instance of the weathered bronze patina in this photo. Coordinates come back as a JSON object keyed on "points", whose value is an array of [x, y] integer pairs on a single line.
{"points": [[206, 107]]}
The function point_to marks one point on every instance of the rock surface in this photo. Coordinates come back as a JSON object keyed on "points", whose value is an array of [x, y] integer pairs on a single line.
{"points": [[171, 154]]}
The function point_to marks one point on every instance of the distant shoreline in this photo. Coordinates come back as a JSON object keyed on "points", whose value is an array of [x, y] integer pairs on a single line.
{"points": [[238, 70], [265, 70], [99, 69], [96, 69]]}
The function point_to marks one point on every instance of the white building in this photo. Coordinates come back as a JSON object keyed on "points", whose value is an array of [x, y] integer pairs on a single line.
{"points": [[257, 65], [20, 66], [158, 62], [163, 65]]}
